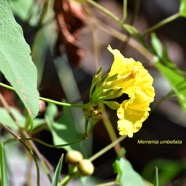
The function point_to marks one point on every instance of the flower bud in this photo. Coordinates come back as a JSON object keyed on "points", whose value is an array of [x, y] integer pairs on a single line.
{"points": [[85, 167], [112, 104], [97, 114], [74, 157]]}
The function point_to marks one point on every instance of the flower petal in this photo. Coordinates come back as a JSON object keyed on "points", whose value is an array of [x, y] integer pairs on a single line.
{"points": [[121, 65], [135, 111], [125, 128]]}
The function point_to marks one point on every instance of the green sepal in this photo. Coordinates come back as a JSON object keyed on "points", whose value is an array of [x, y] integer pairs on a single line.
{"points": [[112, 93], [112, 104], [96, 78]]}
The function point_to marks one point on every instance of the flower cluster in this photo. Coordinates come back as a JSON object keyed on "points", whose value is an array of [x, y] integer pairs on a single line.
{"points": [[128, 77]]}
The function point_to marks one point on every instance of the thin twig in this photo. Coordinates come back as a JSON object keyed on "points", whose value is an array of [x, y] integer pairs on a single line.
{"points": [[17, 137], [162, 23], [110, 130], [33, 146], [107, 148]]}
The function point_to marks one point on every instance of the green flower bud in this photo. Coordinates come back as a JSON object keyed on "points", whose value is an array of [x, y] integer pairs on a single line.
{"points": [[85, 167], [73, 157], [115, 93], [96, 78], [112, 104]]}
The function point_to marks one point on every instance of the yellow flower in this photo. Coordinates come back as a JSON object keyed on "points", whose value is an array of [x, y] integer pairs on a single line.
{"points": [[137, 84], [128, 77]]}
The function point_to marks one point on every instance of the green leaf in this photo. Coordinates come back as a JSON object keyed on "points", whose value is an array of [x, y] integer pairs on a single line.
{"points": [[64, 129], [15, 60], [126, 175], [27, 10], [182, 9], [57, 173], [170, 71], [168, 169], [37, 122], [7, 120], [3, 166]]}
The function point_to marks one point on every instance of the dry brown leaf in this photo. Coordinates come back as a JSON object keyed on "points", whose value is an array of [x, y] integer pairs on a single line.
{"points": [[71, 18]]}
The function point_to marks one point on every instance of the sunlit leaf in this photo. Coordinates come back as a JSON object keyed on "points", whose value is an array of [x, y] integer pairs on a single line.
{"points": [[57, 172], [3, 167], [8, 121], [170, 71], [126, 175], [182, 9], [64, 129], [15, 60]]}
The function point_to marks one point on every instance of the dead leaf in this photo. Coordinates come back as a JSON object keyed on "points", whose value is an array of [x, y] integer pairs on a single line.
{"points": [[71, 18]]}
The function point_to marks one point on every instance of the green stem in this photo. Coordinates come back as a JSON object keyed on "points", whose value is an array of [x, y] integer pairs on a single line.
{"points": [[110, 129], [65, 104], [44, 162], [10, 131], [49, 145], [53, 101], [135, 13], [35, 161], [6, 86], [157, 176], [107, 148], [104, 10], [162, 23], [65, 180], [72, 173], [124, 11]]}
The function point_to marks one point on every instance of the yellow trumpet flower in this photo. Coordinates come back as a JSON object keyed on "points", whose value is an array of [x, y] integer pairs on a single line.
{"points": [[129, 77]]}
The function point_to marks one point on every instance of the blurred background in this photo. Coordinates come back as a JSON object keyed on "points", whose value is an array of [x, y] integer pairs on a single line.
{"points": [[68, 56]]}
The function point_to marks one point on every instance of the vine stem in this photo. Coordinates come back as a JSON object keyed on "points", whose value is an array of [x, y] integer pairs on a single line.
{"points": [[110, 129], [49, 145], [157, 176], [124, 10], [65, 104], [65, 180], [72, 173], [104, 10], [162, 23], [35, 160], [32, 147], [52, 101], [107, 148]]}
